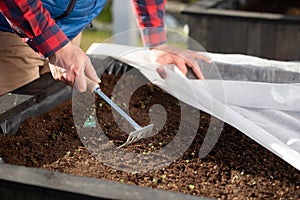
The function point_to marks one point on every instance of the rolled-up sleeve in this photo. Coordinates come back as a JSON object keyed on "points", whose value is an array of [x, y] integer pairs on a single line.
{"points": [[35, 22], [150, 17]]}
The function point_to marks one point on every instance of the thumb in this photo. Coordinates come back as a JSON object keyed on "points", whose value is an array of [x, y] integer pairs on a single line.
{"points": [[161, 71], [80, 82], [90, 72]]}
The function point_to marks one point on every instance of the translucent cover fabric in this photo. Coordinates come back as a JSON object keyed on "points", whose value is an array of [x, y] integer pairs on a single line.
{"points": [[257, 96]]}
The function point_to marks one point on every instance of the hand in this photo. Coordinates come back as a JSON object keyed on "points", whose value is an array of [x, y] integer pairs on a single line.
{"points": [[182, 58], [70, 65]]}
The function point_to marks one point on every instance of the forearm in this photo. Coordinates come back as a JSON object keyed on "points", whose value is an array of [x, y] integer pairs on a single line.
{"points": [[150, 18], [35, 22]]}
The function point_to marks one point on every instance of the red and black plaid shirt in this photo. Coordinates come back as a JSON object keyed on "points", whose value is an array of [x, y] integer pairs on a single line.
{"points": [[35, 22], [150, 17], [46, 37]]}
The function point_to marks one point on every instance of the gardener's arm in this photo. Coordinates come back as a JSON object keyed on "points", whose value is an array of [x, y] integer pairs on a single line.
{"points": [[150, 17], [33, 21]]}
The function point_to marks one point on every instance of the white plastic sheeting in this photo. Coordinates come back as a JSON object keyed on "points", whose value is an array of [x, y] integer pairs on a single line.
{"points": [[259, 97]]}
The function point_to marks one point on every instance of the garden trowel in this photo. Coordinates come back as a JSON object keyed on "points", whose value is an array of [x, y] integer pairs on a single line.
{"points": [[139, 133]]}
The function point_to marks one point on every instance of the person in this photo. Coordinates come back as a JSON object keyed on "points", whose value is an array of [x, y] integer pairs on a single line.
{"points": [[52, 27]]}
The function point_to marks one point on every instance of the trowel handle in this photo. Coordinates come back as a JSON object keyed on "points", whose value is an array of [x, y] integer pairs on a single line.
{"points": [[91, 85], [118, 109]]}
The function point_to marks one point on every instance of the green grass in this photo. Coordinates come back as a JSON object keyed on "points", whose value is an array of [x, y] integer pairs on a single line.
{"points": [[90, 36], [106, 14]]}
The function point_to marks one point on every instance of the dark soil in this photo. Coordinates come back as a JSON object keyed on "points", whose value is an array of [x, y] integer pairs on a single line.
{"points": [[236, 168]]}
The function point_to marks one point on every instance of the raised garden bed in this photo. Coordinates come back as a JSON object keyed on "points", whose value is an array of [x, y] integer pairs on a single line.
{"points": [[260, 28], [237, 168], [20, 180]]}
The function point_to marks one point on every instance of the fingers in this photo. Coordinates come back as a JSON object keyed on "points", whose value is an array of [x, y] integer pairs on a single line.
{"points": [[183, 60], [162, 73], [192, 63], [203, 57], [198, 56], [181, 64], [80, 82], [87, 71], [180, 57], [197, 71], [71, 65], [90, 72]]}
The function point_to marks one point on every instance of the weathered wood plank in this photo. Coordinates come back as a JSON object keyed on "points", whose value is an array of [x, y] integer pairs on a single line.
{"points": [[23, 183], [267, 42], [253, 39], [267, 35], [286, 37]]}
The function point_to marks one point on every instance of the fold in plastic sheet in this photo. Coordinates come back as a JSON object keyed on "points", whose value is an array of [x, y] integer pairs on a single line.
{"points": [[259, 97]]}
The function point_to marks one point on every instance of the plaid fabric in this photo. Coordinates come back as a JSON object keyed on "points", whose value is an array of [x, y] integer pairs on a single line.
{"points": [[150, 16], [32, 20]]}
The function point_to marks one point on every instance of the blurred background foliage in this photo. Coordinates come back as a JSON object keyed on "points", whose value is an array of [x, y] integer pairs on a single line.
{"points": [[106, 14], [93, 35]]}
